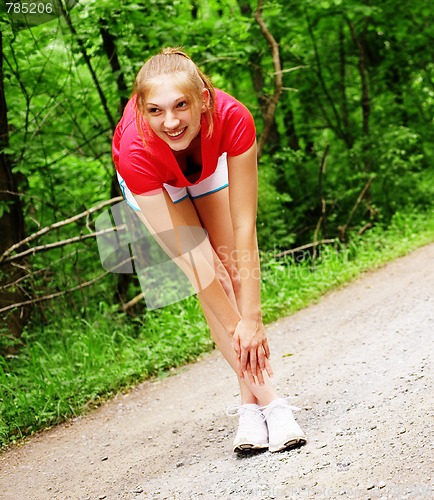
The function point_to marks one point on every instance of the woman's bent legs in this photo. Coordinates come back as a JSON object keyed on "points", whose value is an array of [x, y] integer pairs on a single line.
{"points": [[259, 394], [214, 214], [215, 217]]}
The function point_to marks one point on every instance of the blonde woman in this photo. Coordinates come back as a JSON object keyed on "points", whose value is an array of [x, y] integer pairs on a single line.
{"points": [[185, 154]]}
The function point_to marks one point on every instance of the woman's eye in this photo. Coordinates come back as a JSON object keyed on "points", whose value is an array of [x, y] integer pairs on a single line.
{"points": [[153, 111], [182, 104]]}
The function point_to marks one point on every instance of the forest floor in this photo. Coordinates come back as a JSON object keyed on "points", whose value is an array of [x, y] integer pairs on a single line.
{"points": [[359, 364]]}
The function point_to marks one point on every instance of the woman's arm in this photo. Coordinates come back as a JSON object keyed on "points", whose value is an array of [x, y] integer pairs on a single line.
{"points": [[250, 340]]}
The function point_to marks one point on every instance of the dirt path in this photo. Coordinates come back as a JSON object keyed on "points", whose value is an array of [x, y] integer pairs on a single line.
{"points": [[361, 370]]}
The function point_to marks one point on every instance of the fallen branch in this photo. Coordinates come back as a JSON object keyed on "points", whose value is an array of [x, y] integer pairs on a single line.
{"points": [[132, 302], [13, 193], [343, 229], [63, 292], [363, 229], [38, 272], [56, 225], [58, 244], [304, 247]]}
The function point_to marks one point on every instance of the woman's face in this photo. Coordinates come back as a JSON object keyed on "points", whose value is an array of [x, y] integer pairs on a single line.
{"points": [[171, 115]]}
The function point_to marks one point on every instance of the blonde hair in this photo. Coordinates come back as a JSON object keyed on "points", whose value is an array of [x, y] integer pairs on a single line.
{"points": [[184, 73]]}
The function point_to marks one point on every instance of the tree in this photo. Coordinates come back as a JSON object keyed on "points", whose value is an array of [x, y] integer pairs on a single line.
{"points": [[11, 220]]}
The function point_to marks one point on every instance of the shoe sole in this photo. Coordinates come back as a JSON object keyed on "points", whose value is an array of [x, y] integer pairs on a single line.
{"points": [[292, 443], [246, 448]]}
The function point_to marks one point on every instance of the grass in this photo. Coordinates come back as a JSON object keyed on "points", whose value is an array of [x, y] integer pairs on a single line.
{"points": [[290, 285], [71, 365]]}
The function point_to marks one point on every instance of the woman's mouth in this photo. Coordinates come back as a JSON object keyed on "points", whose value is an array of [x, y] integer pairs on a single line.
{"points": [[177, 134]]}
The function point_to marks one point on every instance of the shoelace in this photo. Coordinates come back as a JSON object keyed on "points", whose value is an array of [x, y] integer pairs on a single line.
{"points": [[266, 411], [292, 408], [238, 409]]}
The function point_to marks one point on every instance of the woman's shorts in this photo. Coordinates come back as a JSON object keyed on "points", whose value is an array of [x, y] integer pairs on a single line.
{"points": [[215, 182]]}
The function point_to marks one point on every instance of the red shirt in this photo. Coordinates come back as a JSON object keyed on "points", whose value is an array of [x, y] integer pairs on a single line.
{"points": [[145, 167]]}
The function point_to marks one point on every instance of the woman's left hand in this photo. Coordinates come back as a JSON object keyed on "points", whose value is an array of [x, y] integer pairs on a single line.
{"points": [[251, 346]]}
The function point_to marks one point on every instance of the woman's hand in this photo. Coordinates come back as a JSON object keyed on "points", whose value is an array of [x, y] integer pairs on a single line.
{"points": [[251, 346]]}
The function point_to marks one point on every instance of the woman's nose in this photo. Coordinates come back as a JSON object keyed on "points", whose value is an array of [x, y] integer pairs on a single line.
{"points": [[171, 121]]}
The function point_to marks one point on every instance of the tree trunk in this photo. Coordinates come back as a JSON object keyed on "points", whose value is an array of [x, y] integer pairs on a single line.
{"points": [[109, 45], [273, 139], [360, 43], [269, 116], [365, 101], [11, 224], [348, 136], [79, 41]]}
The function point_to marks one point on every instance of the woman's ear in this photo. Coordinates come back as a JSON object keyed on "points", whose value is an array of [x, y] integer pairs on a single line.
{"points": [[205, 100]]}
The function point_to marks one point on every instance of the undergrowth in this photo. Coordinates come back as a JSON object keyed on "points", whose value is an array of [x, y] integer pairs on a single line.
{"points": [[70, 365]]}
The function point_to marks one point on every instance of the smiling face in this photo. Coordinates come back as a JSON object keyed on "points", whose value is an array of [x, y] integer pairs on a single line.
{"points": [[172, 114]]}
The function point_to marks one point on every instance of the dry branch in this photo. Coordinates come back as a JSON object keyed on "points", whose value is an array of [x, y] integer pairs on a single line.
{"points": [[363, 229], [32, 274], [343, 229], [132, 302], [57, 244], [271, 108], [56, 225], [304, 247], [63, 292]]}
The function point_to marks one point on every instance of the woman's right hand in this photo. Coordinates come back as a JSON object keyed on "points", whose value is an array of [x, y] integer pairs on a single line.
{"points": [[251, 346]]}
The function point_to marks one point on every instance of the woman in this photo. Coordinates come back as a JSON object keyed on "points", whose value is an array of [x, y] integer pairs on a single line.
{"points": [[177, 148]]}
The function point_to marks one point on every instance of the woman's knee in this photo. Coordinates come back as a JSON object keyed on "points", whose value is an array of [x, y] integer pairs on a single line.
{"points": [[234, 276], [229, 278]]}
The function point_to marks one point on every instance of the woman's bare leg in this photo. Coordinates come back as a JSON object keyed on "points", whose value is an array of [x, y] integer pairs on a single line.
{"points": [[213, 211], [215, 217], [260, 394]]}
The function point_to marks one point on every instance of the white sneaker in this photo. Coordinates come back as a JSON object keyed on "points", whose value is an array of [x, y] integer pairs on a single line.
{"points": [[283, 430], [252, 431]]}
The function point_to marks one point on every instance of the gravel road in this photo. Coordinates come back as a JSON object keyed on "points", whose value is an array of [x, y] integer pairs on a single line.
{"points": [[361, 370]]}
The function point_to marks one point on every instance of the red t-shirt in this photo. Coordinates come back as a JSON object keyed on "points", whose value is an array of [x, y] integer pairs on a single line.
{"points": [[146, 167]]}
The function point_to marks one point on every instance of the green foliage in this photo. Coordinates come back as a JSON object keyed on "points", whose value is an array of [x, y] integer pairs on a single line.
{"points": [[72, 364], [400, 164], [61, 135], [291, 283], [274, 228]]}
